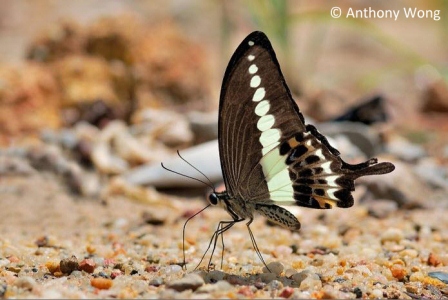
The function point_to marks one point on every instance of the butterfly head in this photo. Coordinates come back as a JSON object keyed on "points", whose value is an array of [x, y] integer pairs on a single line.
{"points": [[213, 199], [220, 199]]}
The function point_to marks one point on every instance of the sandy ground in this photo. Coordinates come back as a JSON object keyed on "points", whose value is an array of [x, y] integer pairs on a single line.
{"points": [[350, 251]]}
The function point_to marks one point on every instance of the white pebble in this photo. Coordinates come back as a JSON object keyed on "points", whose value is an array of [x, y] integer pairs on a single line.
{"points": [[377, 294], [275, 285], [173, 269], [25, 282], [274, 267], [311, 283], [392, 235], [290, 272]]}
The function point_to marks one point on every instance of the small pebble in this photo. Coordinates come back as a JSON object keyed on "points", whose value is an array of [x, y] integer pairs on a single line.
{"points": [[101, 283], [414, 287], [3, 288], [307, 280], [267, 277], [99, 261], [357, 291], [25, 282], [409, 253], [442, 276], [115, 273], [236, 280], [377, 294], [274, 267], [76, 274], [433, 260], [275, 285], [312, 282], [152, 268], [87, 265], [173, 269], [287, 292], [290, 272], [246, 291], [189, 282], [156, 281], [4, 262], [392, 235], [299, 277], [68, 265], [13, 259], [221, 286], [214, 276], [398, 271], [152, 218]]}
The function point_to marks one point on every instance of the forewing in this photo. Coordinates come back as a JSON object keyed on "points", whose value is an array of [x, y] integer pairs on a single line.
{"points": [[256, 112]]}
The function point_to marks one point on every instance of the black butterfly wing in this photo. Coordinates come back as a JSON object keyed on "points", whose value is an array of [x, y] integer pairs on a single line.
{"points": [[268, 154]]}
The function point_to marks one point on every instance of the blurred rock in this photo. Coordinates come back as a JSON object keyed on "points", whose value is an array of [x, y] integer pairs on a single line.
{"points": [[205, 157], [362, 136], [369, 112], [115, 66], [10, 165], [52, 158], [116, 150], [89, 91], [402, 186], [348, 150], [204, 126], [29, 101], [170, 69], [442, 276], [404, 149], [432, 173], [436, 97], [381, 208], [58, 40], [167, 126], [113, 37]]}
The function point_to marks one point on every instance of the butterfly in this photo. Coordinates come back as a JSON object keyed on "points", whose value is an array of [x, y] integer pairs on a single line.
{"points": [[269, 156]]}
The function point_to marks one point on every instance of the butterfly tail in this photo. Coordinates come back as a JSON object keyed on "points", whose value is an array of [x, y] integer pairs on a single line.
{"points": [[370, 167]]}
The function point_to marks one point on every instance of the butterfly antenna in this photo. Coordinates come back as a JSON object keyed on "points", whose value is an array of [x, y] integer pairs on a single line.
{"points": [[211, 184], [183, 232], [207, 184]]}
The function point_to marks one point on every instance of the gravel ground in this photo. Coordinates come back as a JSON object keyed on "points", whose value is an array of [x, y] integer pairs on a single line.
{"points": [[54, 245]]}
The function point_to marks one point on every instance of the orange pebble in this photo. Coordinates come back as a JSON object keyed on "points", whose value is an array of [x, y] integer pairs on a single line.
{"points": [[53, 266], [398, 271], [101, 283]]}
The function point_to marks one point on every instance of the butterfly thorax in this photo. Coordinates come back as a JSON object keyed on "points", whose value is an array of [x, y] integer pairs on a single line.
{"points": [[237, 208]]}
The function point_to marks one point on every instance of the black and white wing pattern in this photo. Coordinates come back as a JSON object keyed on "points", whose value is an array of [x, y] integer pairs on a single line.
{"points": [[269, 156]]}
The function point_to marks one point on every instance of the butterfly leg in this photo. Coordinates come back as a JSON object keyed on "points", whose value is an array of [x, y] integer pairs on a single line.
{"points": [[223, 226], [254, 244]]}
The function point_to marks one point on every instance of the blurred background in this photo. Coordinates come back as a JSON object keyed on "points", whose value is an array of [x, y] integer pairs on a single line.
{"points": [[67, 69], [324, 59]]}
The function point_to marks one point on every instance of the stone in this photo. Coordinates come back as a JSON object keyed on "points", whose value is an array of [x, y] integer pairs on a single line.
{"points": [[189, 282], [274, 267], [392, 235], [68, 265]]}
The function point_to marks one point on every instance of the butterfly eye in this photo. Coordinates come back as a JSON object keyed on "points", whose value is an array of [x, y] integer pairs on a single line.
{"points": [[213, 199]]}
